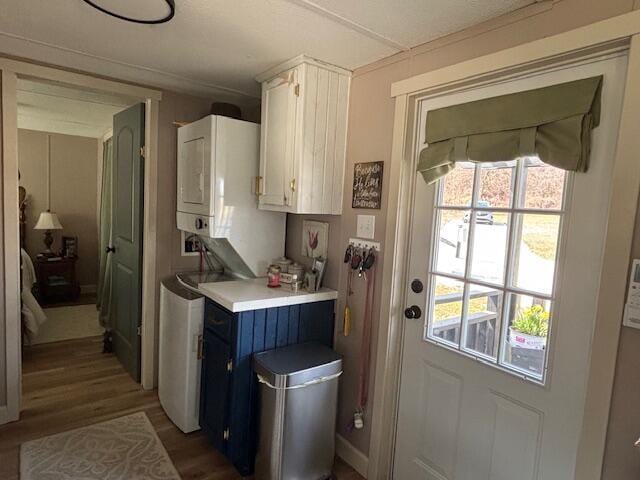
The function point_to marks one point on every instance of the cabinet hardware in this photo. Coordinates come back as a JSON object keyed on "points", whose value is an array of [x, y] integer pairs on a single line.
{"points": [[139, 331], [225, 434], [200, 348], [259, 186], [229, 365], [296, 90], [142, 152], [292, 184], [214, 321]]}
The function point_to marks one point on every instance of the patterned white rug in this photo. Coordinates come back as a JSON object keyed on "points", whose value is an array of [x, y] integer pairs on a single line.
{"points": [[126, 448]]}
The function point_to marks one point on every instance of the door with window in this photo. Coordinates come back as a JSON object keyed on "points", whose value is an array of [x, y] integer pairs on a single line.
{"points": [[502, 288]]}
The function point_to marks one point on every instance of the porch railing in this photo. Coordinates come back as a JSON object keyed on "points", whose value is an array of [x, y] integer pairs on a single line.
{"points": [[481, 326]]}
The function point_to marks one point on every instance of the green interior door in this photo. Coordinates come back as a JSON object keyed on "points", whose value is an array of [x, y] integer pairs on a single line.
{"points": [[128, 180]]}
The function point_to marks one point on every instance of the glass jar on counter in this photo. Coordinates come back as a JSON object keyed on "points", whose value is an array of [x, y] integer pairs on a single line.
{"points": [[273, 276], [297, 269], [283, 263]]}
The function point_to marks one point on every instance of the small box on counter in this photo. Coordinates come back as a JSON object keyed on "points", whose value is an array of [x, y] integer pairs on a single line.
{"points": [[290, 278]]}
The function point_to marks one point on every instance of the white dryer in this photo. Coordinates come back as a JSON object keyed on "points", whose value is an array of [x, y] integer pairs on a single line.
{"points": [[181, 323]]}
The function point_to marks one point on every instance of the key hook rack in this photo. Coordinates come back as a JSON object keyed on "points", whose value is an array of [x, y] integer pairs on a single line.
{"points": [[364, 244]]}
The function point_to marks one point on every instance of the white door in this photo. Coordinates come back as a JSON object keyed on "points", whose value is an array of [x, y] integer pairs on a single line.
{"points": [[279, 102], [479, 398]]}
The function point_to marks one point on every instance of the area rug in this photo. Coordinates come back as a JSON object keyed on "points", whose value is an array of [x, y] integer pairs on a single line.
{"points": [[126, 448], [66, 323]]}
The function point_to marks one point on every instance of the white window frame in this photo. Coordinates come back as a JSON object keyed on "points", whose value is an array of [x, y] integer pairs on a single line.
{"points": [[515, 211]]}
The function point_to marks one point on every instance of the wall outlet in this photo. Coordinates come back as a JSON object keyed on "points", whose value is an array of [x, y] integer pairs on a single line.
{"points": [[366, 226]]}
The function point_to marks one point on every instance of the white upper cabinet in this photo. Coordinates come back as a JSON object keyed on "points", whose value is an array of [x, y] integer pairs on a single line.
{"points": [[304, 135]]}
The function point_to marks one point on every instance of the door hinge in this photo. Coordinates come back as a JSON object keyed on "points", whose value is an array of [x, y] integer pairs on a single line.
{"points": [[292, 184], [139, 331], [259, 186], [225, 434], [230, 366], [296, 90], [143, 152], [200, 348]]}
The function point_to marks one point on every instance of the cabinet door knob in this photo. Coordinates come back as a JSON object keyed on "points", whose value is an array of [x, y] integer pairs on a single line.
{"points": [[110, 250]]}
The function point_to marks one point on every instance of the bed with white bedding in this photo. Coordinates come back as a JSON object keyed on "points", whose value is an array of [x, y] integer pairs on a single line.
{"points": [[33, 315]]}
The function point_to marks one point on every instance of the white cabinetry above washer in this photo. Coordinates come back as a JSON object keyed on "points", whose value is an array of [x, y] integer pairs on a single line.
{"points": [[304, 135]]}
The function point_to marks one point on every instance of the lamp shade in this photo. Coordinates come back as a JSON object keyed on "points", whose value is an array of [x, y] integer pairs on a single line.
{"points": [[48, 221]]}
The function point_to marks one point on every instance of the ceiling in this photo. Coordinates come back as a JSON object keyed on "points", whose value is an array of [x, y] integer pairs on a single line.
{"points": [[48, 107], [217, 47]]}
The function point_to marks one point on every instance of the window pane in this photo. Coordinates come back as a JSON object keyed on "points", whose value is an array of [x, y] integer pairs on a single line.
{"points": [[446, 307], [544, 185], [453, 236], [536, 249], [457, 186], [526, 336], [482, 320], [489, 246], [496, 184]]}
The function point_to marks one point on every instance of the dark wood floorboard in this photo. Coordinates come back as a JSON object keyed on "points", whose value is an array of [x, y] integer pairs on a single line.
{"points": [[71, 384]]}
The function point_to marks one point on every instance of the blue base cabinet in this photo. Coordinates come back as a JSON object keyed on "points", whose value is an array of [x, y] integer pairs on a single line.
{"points": [[229, 401]]}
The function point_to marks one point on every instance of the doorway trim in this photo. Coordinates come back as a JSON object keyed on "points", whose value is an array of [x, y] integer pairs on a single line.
{"points": [[10, 71], [592, 40]]}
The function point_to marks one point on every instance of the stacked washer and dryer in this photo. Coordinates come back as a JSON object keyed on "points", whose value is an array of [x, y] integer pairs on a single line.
{"points": [[218, 160]]}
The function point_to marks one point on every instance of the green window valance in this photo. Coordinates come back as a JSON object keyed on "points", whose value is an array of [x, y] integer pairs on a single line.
{"points": [[553, 123]]}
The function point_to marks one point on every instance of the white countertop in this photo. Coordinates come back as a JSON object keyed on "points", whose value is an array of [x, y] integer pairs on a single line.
{"points": [[253, 294]]}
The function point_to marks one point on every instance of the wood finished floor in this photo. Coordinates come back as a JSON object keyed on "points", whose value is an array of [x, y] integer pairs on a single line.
{"points": [[71, 384]]}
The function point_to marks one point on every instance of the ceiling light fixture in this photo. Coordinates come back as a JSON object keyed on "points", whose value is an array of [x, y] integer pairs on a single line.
{"points": [[147, 21]]}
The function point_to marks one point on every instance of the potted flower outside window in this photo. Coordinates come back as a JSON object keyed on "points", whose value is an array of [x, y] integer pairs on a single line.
{"points": [[528, 338]]}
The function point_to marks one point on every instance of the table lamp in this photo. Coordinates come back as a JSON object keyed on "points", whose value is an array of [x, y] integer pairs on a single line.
{"points": [[48, 221]]}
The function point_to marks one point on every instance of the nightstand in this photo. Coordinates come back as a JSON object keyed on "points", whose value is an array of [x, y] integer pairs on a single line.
{"points": [[57, 280]]}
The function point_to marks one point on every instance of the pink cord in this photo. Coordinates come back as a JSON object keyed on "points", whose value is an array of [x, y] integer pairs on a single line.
{"points": [[365, 349]]}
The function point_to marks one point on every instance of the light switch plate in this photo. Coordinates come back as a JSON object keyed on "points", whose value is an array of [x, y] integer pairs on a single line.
{"points": [[366, 226]]}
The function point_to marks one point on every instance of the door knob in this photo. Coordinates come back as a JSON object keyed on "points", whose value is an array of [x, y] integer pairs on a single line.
{"points": [[413, 311], [110, 249]]}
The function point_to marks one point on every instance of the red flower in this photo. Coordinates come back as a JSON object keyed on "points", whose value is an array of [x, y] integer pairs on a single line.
{"points": [[313, 240]]}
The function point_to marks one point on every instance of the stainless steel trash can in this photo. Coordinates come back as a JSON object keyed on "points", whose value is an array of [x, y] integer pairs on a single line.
{"points": [[299, 395]]}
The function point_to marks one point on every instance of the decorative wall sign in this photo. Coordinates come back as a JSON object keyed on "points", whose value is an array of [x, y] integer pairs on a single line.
{"points": [[367, 185], [315, 239]]}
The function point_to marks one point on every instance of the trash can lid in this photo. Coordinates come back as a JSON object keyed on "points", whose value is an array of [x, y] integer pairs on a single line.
{"points": [[297, 364]]}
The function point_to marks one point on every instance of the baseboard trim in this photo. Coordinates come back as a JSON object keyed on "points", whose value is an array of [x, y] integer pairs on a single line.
{"points": [[88, 288], [351, 455]]}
